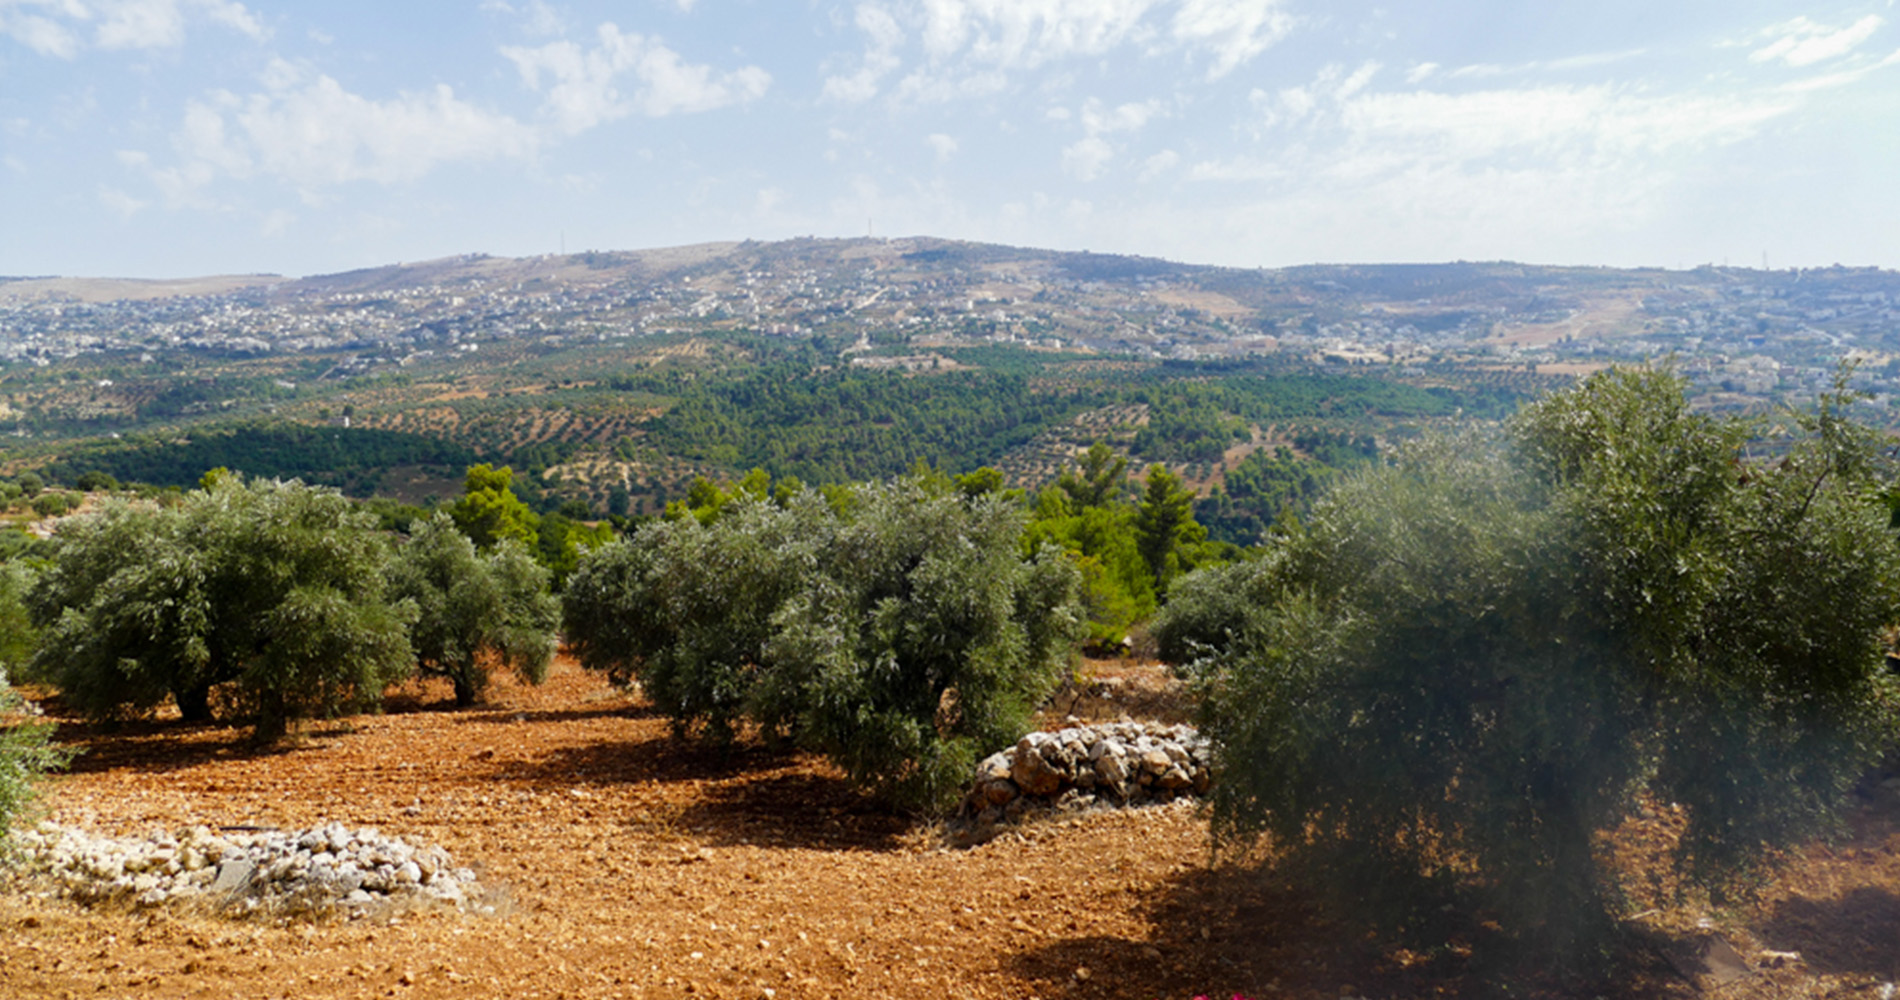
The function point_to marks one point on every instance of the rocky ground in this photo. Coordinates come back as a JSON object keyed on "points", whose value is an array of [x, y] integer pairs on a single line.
{"points": [[616, 861]]}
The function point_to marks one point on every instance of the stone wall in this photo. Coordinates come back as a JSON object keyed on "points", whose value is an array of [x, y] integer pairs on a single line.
{"points": [[327, 870], [1112, 763]]}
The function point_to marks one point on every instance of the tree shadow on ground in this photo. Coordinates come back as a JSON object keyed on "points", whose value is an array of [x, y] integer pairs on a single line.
{"points": [[1857, 932], [743, 793], [798, 809], [504, 701], [1235, 929], [502, 715], [164, 746]]}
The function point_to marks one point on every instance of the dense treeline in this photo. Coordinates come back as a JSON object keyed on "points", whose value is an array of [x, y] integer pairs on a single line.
{"points": [[1265, 398], [837, 426], [350, 458], [1268, 483], [843, 426]]}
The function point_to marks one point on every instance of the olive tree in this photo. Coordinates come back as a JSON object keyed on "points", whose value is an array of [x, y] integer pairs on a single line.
{"points": [[1467, 664], [474, 608], [686, 607], [925, 640], [276, 589], [895, 627]]}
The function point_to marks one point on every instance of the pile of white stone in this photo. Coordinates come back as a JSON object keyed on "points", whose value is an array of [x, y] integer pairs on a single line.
{"points": [[328, 870], [1114, 763]]}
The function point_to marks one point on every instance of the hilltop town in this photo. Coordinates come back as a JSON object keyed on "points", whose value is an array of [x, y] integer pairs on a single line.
{"points": [[1740, 334]]}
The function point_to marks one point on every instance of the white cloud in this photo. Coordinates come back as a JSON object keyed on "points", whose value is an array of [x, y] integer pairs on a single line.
{"points": [[974, 47], [54, 28], [1331, 87], [1600, 122], [277, 222], [1086, 158], [1158, 164], [1492, 164], [1841, 78], [1478, 70], [308, 131], [582, 85], [150, 24], [1023, 34], [43, 32], [941, 144], [1591, 60], [1421, 72], [883, 36], [1802, 42], [537, 16], [1122, 118], [1588, 60], [1234, 30], [120, 202]]}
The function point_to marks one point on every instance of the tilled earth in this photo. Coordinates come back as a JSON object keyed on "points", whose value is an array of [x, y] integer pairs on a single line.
{"points": [[635, 864]]}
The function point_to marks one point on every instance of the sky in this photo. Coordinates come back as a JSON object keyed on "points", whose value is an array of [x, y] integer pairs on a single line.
{"points": [[172, 138]]}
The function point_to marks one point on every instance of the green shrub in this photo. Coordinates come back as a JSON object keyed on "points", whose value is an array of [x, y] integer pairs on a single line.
{"points": [[1464, 667], [25, 748], [95, 480], [26, 753], [1211, 610], [51, 504], [18, 635]]}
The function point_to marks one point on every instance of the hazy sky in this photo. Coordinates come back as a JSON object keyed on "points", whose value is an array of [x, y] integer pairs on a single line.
{"points": [[178, 137]]}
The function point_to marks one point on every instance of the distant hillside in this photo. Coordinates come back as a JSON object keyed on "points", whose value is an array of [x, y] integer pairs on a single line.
{"points": [[615, 377]]}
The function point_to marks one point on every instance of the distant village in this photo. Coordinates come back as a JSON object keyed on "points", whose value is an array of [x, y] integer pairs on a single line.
{"points": [[1737, 333]]}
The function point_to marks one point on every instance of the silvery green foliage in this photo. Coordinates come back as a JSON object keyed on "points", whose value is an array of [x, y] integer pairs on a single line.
{"points": [[274, 589], [1467, 664], [1211, 610], [922, 594], [686, 608], [897, 627], [474, 607]]}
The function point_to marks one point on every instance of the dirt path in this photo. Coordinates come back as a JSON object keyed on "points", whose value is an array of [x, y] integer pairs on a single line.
{"points": [[641, 866]]}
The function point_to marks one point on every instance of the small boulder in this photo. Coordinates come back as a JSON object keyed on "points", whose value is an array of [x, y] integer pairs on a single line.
{"points": [[234, 876], [1034, 775]]}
